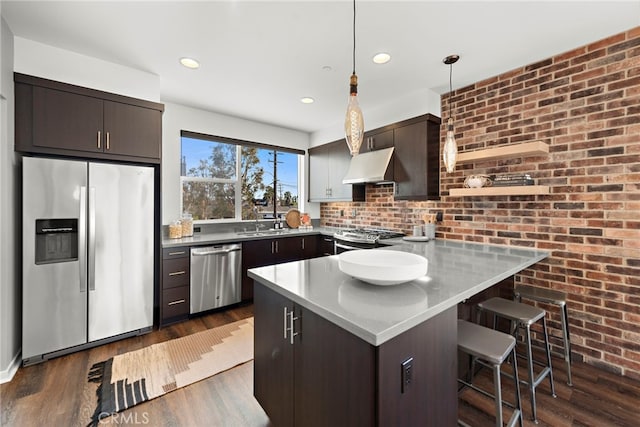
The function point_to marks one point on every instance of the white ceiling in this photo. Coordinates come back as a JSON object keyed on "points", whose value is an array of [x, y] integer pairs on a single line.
{"points": [[258, 58]]}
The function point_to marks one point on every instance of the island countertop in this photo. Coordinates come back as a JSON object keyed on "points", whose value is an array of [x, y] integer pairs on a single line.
{"points": [[456, 271]]}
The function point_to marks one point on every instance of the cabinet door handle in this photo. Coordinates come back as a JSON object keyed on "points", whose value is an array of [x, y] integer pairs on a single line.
{"points": [[107, 134], [180, 301], [177, 253], [292, 319], [285, 322], [177, 273], [303, 243], [276, 242], [99, 138], [290, 326]]}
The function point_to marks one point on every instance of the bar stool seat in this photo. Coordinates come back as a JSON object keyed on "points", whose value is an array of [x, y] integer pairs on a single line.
{"points": [[523, 316], [491, 348], [558, 298]]}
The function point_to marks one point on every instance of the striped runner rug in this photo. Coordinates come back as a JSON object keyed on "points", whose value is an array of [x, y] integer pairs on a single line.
{"points": [[128, 379]]}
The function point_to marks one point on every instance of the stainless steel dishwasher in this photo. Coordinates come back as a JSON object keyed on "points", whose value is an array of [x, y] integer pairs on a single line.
{"points": [[216, 276]]}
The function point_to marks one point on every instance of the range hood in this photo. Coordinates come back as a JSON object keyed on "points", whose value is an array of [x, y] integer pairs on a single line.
{"points": [[368, 167]]}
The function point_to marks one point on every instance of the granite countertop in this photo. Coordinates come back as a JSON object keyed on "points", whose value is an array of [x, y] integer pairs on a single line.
{"points": [[233, 236], [456, 271]]}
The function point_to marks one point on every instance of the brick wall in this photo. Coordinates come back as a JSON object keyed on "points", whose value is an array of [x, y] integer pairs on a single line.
{"points": [[586, 105]]}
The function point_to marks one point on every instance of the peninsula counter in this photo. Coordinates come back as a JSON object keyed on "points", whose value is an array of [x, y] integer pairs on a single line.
{"points": [[331, 350]]}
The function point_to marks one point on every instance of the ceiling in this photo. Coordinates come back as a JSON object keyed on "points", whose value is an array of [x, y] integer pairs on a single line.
{"points": [[258, 58]]}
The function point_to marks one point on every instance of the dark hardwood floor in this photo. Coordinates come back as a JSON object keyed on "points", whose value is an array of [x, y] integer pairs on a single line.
{"points": [[597, 398], [56, 393]]}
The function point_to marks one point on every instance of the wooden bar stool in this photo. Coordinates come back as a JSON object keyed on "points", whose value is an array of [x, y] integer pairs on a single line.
{"points": [[491, 348], [523, 316], [554, 297]]}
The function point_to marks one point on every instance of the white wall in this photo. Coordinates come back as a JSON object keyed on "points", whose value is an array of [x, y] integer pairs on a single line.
{"points": [[420, 102], [49, 62], [179, 117], [10, 270]]}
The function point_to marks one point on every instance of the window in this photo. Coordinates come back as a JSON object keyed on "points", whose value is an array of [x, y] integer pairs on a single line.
{"points": [[229, 179]]}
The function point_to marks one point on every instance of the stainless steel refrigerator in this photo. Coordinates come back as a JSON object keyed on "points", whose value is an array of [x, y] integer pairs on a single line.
{"points": [[88, 254]]}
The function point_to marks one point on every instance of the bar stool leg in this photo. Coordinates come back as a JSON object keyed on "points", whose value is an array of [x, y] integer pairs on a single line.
{"points": [[548, 351], [498, 399], [517, 384], [567, 342], [531, 384]]}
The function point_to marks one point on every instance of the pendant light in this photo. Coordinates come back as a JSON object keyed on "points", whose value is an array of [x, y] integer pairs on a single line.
{"points": [[450, 150], [354, 122]]}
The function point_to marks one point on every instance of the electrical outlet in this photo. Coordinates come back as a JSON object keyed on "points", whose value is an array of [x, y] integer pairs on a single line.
{"points": [[438, 216], [406, 374], [341, 212]]}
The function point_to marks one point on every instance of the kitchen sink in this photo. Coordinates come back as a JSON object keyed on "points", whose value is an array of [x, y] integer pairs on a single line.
{"points": [[263, 233]]}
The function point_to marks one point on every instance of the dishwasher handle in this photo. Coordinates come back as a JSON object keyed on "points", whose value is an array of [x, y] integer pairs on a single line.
{"points": [[216, 251]]}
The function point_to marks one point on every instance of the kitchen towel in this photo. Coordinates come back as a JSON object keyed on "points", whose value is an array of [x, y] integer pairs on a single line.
{"points": [[128, 379]]}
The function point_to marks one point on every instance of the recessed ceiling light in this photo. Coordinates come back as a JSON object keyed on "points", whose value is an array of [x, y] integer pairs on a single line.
{"points": [[190, 63], [381, 58], [307, 100]]}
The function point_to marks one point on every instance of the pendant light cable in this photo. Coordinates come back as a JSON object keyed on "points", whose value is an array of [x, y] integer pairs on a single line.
{"points": [[450, 86], [354, 36], [354, 122]]}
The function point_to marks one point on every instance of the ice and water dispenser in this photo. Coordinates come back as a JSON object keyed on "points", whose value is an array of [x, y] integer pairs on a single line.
{"points": [[56, 240]]}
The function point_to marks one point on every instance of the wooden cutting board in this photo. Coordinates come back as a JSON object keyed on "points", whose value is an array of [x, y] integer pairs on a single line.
{"points": [[293, 218]]}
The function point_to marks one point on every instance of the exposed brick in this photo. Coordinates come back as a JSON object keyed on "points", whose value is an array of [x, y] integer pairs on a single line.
{"points": [[587, 92], [604, 188], [585, 104]]}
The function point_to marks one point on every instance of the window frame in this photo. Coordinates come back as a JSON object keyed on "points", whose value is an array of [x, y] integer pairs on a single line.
{"points": [[238, 143]]}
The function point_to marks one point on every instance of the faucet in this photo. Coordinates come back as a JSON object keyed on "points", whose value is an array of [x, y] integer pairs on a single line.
{"points": [[255, 214]]}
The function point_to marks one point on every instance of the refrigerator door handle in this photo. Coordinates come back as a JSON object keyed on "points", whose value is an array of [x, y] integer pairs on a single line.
{"points": [[82, 239], [91, 241]]}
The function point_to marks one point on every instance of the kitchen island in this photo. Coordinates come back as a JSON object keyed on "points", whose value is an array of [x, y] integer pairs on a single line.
{"points": [[332, 350]]}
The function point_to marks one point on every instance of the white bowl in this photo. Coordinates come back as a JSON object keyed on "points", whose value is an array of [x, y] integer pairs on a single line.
{"points": [[382, 267]]}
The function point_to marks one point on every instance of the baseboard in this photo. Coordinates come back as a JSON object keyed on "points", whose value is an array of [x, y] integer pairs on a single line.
{"points": [[7, 374]]}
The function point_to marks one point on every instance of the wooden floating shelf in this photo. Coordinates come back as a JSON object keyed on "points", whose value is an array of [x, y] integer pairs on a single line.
{"points": [[534, 148], [516, 190]]}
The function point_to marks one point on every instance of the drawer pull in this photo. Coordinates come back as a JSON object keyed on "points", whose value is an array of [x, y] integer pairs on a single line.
{"points": [[177, 273], [180, 301], [177, 253]]}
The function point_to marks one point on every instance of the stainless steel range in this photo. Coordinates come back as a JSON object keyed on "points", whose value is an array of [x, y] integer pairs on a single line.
{"points": [[361, 238]]}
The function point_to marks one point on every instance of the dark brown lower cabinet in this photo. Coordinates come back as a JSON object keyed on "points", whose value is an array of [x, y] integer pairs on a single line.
{"points": [[174, 297], [258, 253], [328, 376]]}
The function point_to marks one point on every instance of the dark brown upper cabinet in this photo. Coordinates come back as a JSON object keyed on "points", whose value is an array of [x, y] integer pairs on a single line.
{"points": [[377, 140], [414, 166], [416, 161], [62, 119]]}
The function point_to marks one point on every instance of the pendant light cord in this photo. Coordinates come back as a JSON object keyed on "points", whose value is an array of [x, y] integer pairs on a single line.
{"points": [[450, 88], [354, 36]]}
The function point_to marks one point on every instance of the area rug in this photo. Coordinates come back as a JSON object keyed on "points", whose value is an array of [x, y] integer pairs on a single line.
{"points": [[128, 379]]}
